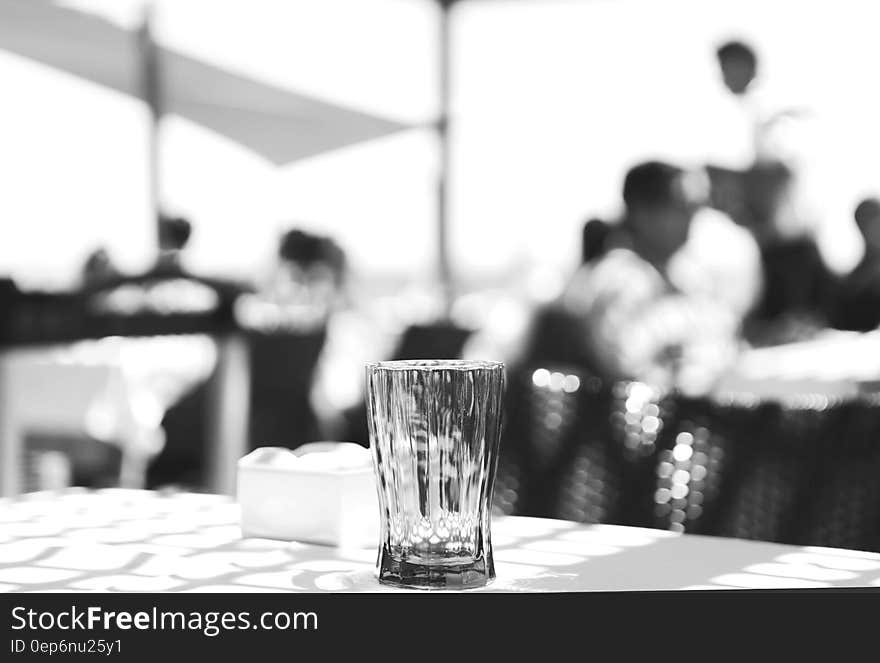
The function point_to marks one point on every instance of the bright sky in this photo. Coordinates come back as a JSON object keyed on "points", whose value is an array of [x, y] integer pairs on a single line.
{"points": [[553, 100]]}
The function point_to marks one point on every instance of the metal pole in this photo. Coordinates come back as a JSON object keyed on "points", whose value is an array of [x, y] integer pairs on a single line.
{"points": [[151, 90], [444, 72]]}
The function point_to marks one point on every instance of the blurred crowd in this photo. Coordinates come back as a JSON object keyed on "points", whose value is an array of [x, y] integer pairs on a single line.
{"points": [[705, 260], [700, 262]]}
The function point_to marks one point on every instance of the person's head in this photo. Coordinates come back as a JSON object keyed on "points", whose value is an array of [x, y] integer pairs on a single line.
{"points": [[174, 233], [98, 267], [867, 215], [316, 264], [739, 65], [659, 207], [593, 239]]}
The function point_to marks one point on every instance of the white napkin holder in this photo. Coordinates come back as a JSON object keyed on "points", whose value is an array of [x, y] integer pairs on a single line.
{"points": [[322, 492]]}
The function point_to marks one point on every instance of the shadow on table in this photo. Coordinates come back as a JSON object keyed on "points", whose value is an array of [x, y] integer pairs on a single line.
{"points": [[133, 541]]}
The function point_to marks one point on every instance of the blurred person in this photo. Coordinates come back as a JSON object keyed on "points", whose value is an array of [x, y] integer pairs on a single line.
{"points": [[304, 287], [9, 294], [774, 194], [857, 303], [167, 286], [316, 341], [782, 127], [668, 241], [763, 135], [766, 118], [174, 235], [594, 237], [98, 269], [798, 285], [311, 273], [666, 301], [289, 317], [739, 66], [739, 115]]}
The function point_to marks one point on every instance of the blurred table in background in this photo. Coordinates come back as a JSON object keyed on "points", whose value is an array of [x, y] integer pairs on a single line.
{"points": [[258, 392], [130, 541], [114, 390], [131, 329], [838, 365]]}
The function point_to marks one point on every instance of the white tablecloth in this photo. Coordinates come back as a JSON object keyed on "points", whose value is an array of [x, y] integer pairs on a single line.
{"points": [[835, 364], [130, 540]]}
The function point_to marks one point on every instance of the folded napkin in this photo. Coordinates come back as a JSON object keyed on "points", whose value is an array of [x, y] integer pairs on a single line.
{"points": [[323, 492]]}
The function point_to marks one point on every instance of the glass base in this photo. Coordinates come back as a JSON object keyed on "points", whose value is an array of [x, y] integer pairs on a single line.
{"points": [[400, 573]]}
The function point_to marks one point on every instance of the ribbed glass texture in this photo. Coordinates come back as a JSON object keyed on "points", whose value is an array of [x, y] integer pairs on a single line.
{"points": [[434, 435]]}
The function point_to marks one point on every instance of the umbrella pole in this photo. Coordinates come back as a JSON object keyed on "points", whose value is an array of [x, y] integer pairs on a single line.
{"points": [[444, 71], [153, 175], [152, 95]]}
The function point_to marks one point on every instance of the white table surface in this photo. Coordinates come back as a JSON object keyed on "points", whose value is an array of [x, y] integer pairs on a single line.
{"points": [[130, 540]]}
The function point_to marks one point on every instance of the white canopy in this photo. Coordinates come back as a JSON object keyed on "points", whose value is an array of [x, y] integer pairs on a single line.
{"points": [[281, 125]]}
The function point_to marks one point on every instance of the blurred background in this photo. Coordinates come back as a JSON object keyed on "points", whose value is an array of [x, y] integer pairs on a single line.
{"points": [[662, 216]]}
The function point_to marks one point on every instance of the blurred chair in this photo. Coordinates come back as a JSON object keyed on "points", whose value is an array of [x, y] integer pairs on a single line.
{"points": [[557, 337], [586, 480], [805, 473], [554, 458], [52, 461], [441, 340], [842, 501], [270, 381], [691, 467], [554, 451], [282, 370], [797, 469], [768, 478], [182, 461], [625, 454]]}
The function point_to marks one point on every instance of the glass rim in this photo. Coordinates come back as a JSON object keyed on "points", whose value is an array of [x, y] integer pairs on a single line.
{"points": [[435, 365]]}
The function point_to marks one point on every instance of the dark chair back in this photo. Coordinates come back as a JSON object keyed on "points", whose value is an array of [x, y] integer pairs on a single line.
{"points": [[790, 472], [282, 372], [842, 498], [435, 341]]}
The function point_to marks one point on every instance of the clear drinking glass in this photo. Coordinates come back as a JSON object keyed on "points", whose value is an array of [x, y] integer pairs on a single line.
{"points": [[434, 435]]}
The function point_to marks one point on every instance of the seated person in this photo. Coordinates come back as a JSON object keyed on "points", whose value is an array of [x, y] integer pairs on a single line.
{"points": [[288, 318], [309, 346], [798, 285], [166, 288], [666, 301], [303, 289], [857, 305]]}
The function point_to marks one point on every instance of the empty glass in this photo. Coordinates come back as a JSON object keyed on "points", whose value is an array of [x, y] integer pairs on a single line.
{"points": [[434, 433]]}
